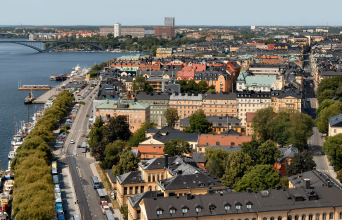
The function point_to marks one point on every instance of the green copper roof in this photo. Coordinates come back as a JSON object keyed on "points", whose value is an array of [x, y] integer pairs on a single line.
{"points": [[127, 57], [260, 81], [125, 104]]}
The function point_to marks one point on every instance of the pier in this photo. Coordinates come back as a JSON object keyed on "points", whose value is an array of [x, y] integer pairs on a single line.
{"points": [[53, 92], [35, 87]]}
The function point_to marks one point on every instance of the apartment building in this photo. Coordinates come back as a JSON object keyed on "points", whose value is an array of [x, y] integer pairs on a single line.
{"points": [[267, 69], [264, 83], [251, 101], [335, 125], [288, 99], [221, 141], [135, 112], [249, 123], [158, 103], [168, 32], [185, 103], [164, 52], [219, 104]]}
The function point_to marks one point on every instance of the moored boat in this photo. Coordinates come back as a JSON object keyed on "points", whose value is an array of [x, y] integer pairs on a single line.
{"points": [[29, 99], [9, 174], [11, 155], [5, 202], [8, 186]]}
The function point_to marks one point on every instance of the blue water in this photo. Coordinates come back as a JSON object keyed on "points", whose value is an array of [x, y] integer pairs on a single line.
{"points": [[28, 67]]}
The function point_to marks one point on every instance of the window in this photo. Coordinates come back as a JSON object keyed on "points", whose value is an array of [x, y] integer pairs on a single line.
{"points": [[138, 214], [137, 190], [198, 209], [238, 206], [331, 216], [154, 178], [150, 188], [125, 190], [324, 216], [160, 212], [310, 217], [272, 218], [185, 209], [212, 208], [249, 206], [130, 190], [141, 189], [264, 218], [317, 216], [340, 215], [172, 211], [296, 217], [303, 217], [149, 178], [226, 207], [279, 218], [289, 217]]}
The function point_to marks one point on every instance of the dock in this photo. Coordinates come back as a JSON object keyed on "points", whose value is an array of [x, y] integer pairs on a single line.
{"points": [[35, 87], [49, 94]]}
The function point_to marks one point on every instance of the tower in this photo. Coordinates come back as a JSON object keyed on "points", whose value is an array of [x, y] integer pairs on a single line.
{"points": [[117, 30], [169, 21]]}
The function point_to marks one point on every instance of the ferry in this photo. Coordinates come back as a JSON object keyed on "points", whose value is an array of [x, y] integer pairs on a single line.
{"points": [[52, 78], [61, 77], [29, 99], [8, 186]]}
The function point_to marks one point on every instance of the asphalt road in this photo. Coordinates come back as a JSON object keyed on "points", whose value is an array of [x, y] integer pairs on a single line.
{"points": [[79, 164]]}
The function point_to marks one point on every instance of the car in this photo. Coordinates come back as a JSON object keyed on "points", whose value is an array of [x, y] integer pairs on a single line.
{"points": [[86, 136], [78, 95], [84, 150], [82, 135], [87, 115], [308, 100], [78, 146], [72, 142], [323, 153]]}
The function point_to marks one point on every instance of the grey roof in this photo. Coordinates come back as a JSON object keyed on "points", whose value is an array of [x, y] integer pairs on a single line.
{"points": [[198, 157], [336, 121], [231, 132], [173, 88], [135, 200], [191, 181], [173, 163], [135, 152], [152, 96], [131, 178], [218, 121], [229, 149], [186, 96], [219, 96], [112, 179], [176, 135], [213, 204], [163, 130], [288, 152], [315, 178]]}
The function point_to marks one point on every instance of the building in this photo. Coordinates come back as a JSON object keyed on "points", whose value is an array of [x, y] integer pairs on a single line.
{"points": [[117, 30], [158, 103], [186, 104], [104, 31], [335, 125], [263, 83], [161, 31], [133, 31], [253, 27], [169, 21], [286, 155], [320, 202], [164, 52], [219, 104], [227, 37], [220, 123], [221, 141], [136, 113], [249, 123], [288, 99]]}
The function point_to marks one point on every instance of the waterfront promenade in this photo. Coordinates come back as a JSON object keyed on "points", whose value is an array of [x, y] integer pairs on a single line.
{"points": [[54, 91]]}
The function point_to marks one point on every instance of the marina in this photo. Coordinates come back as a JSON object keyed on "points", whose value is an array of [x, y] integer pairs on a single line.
{"points": [[35, 87]]}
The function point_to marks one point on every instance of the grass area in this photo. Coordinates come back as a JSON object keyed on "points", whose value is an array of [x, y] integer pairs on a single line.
{"points": [[104, 178], [115, 204]]}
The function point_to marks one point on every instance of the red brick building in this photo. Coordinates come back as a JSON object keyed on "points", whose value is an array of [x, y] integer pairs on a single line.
{"points": [[164, 31]]}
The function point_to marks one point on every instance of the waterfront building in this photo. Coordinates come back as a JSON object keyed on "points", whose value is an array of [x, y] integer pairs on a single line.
{"points": [[104, 31], [133, 31], [169, 21], [136, 113], [117, 30], [168, 32]]}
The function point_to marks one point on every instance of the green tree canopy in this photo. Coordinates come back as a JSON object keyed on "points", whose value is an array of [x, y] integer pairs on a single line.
{"points": [[96, 133], [176, 147], [251, 148], [127, 163], [259, 178], [140, 85], [333, 148], [300, 163], [111, 153], [117, 128], [139, 135], [322, 120], [217, 160], [171, 116], [268, 153], [198, 122], [260, 123], [238, 165], [279, 128]]}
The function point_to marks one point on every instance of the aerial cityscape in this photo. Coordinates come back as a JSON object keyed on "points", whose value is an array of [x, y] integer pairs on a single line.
{"points": [[170, 111]]}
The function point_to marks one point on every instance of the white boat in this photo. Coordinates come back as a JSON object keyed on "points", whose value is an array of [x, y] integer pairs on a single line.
{"points": [[8, 186], [9, 165], [3, 215], [9, 174], [77, 68], [11, 155]]}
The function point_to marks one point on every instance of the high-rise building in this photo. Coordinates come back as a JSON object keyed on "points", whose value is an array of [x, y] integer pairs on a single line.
{"points": [[168, 21], [168, 32], [117, 30]]}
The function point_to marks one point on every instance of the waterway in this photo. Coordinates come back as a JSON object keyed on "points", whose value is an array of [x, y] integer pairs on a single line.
{"points": [[20, 64]]}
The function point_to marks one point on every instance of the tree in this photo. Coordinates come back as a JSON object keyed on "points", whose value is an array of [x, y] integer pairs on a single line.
{"points": [[192, 86], [284, 182], [268, 153], [279, 128], [221, 55], [301, 162], [325, 104], [127, 163], [139, 135], [171, 116], [260, 123], [111, 153], [217, 160], [339, 175], [333, 148], [322, 120], [117, 128], [176, 147], [198, 122], [96, 133], [211, 88], [259, 178], [202, 86], [300, 131], [251, 148], [238, 165], [327, 94]]}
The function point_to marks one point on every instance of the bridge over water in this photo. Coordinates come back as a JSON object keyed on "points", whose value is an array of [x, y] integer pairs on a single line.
{"points": [[40, 45]]}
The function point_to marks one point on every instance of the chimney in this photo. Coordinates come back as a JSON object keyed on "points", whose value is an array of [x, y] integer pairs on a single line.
{"points": [[188, 196], [249, 190], [166, 161], [307, 183]]}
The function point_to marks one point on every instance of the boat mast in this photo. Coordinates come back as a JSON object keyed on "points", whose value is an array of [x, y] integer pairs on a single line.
{"points": [[15, 126]]}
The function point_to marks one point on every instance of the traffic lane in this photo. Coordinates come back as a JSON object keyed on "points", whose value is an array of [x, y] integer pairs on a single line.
{"points": [[80, 195]]}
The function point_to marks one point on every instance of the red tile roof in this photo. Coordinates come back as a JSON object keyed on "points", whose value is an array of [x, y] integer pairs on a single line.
{"points": [[195, 67], [185, 74], [250, 116], [150, 149], [211, 139]]}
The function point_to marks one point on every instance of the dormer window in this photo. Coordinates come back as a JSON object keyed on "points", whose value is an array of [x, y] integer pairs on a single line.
{"points": [[238, 206], [227, 207], [185, 210], [198, 209], [212, 208], [172, 210], [249, 206], [159, 211]]}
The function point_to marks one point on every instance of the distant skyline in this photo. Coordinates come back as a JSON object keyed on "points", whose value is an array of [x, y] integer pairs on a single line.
{"points": [[186, 12]]}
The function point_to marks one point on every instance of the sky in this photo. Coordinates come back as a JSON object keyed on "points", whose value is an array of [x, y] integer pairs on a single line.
{"points": [[186, 12]]}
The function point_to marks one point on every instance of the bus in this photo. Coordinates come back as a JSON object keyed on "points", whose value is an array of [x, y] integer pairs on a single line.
{"points": [[84, 145], [96, 183], [101, 195], [55, 179], [54, 167]]}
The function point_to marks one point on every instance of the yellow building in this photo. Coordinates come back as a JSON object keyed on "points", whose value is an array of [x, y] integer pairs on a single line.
{"points": [[164, 52], [288, 99], [335, 125]]}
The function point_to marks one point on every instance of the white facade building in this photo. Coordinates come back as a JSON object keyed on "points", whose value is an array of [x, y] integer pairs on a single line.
{"points": [[117, 30]]}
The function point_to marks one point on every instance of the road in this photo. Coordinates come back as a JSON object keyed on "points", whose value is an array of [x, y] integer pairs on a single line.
{"points": [[81, 173]]}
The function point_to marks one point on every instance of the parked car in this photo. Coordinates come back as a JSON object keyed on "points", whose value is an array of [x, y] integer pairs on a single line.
{"points": [[72, 142]]}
